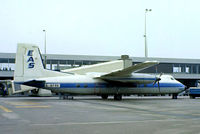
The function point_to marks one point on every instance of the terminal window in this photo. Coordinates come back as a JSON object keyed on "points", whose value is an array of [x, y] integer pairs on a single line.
{"points": [[176, 69]]}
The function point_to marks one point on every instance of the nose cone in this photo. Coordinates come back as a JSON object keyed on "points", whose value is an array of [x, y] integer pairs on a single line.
{"points": [[181, 86]]}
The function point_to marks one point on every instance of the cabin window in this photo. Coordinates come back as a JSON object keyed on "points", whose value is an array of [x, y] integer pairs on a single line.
{"points": [[78, 85], [85, 85]]}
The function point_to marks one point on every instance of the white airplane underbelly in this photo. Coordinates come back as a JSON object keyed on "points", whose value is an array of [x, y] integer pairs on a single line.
{"points": [[119, 90]]}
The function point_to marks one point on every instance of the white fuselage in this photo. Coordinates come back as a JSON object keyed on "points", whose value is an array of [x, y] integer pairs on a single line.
{"points": [[81, 84]]}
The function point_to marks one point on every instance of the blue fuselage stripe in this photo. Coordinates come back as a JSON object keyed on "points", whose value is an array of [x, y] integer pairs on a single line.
{"points": [[106, 85]]}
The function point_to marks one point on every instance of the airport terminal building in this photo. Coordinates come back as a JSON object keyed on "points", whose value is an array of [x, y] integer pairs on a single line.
{"points": [[185, 70]]}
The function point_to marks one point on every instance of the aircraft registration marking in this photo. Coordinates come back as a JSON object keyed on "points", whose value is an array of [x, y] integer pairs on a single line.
{"points": [[52, 85]]}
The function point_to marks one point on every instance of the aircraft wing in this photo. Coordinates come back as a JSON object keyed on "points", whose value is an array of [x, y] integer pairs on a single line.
{"points": [[127, 72]]}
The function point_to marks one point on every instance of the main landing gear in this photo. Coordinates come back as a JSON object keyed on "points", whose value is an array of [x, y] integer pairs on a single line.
{"points": [[174, 96], [117, 97], [104, 96], [65, 96]]}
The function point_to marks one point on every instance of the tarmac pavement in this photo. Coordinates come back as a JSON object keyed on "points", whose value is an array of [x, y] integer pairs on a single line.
{"points": [[92, 115]]}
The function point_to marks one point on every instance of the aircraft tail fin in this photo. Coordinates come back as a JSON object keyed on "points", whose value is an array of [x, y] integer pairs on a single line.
{"points": [[28, 62], [29, 65]]}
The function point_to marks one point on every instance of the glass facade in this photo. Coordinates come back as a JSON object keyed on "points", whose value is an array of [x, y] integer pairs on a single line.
{"points": [[9, 65], [174, 68], [186, 68]]}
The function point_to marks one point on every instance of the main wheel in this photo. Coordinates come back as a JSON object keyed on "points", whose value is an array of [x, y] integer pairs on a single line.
{"points": [[174, 96], [117, 97], [104, 96]]}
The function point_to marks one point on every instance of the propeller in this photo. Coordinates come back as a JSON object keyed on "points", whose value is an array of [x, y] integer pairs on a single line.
{"points": [[157, 81]]}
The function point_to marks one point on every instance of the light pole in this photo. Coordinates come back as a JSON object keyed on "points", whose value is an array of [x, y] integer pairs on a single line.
{"points": [[45, 50], [145, 34]]}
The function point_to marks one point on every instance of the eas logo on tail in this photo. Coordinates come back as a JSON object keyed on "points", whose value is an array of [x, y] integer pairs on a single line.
{"points": [[30, 59]]}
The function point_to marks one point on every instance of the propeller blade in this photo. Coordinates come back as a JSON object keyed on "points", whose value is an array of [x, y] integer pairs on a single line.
{"points": [[154, 82], [159, 86], [157, 79]]}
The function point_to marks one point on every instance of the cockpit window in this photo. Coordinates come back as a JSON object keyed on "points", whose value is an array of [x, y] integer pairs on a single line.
{"points": [[172, 78]]}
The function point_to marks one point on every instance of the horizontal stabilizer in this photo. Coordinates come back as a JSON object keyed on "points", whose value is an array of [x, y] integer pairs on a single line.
{"points": [[35, 83]]}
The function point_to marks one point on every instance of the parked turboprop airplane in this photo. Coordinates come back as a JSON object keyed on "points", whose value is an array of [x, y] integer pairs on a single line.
{"points": [[29, 72]]}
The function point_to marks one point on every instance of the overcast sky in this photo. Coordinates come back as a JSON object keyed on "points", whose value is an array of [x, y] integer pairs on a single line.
{"points": [[103, 27]]}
